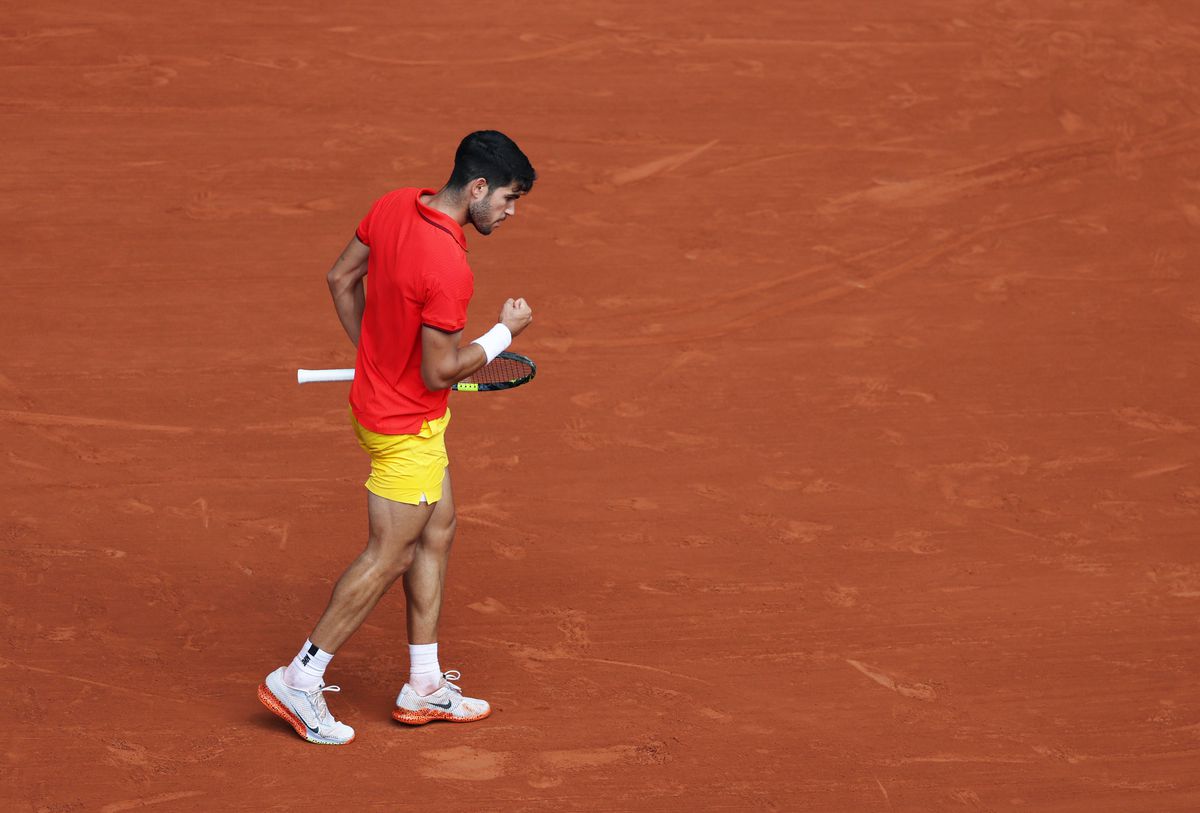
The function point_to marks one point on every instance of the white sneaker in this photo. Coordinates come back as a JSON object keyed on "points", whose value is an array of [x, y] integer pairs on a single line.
{"points": [[447, 703], [305, 711]]}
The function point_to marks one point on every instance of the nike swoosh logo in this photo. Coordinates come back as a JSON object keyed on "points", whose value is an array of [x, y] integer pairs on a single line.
{"points": [[445, 705]]}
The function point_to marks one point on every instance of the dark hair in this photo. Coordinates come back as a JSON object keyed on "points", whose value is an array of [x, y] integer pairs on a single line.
{"points": [[494, 157]]}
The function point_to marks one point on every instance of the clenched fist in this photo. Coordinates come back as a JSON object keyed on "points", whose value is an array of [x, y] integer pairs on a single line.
{"points": [[516, 315]]}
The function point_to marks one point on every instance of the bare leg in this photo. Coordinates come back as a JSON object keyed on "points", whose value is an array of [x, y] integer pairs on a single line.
{"points": [[394, 530], [426, 577]]}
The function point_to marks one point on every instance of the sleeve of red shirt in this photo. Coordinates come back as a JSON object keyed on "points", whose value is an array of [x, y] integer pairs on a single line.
{"points": [[447, 294], [363, 232]]}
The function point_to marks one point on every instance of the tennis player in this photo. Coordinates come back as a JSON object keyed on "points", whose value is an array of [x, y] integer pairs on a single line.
{"points": [[408, 325]]}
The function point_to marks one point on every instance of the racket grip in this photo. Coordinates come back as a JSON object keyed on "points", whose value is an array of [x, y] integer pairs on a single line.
{"points": [[316, 376]]}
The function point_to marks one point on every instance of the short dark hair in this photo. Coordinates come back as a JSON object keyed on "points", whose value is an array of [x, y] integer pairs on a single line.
{"points": [[493, 156]]}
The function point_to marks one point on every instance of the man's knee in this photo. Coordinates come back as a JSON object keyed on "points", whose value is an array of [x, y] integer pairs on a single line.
{"points": [[389, 559], [439, 536]]}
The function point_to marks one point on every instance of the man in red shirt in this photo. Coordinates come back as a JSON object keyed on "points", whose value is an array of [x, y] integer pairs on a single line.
{"points": [[408, 331]]}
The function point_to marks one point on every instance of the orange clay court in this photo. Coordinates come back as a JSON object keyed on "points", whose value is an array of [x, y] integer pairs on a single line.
{"points": [[862, 467]]}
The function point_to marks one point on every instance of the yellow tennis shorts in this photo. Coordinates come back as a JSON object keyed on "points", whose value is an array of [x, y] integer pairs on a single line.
{"points": [[407, 468]]}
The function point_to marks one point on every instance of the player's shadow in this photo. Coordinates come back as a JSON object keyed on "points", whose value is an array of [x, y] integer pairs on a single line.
{"points": [[263, 720]]}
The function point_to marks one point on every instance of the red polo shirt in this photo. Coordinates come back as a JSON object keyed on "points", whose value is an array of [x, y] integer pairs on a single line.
{"points": [[417, 274]]}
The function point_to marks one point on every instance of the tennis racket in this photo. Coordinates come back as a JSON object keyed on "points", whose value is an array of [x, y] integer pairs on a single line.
{"points": [[506, 371]]}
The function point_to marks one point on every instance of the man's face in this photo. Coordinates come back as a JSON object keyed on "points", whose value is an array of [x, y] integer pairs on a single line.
{"points": [[491, 208]]}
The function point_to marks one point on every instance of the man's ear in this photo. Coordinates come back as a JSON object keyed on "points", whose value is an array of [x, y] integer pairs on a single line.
{"points": [[479, 189]]}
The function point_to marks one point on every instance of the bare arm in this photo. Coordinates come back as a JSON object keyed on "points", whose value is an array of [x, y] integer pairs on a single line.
{"points": [[346, 286], [444, 363]]}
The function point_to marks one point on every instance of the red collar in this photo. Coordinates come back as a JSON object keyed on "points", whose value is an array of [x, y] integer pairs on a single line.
{"points": [[440, 219]]}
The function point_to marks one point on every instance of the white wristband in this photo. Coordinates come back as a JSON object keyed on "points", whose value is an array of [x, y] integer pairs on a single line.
{"points": [[495, 341]]}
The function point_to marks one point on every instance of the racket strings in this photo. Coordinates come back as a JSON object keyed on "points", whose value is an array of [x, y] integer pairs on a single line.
{"points": [[501, 370]]}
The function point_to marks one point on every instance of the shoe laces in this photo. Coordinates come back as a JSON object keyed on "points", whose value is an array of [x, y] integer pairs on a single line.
{"points": [[317, 698], [452, 675]]}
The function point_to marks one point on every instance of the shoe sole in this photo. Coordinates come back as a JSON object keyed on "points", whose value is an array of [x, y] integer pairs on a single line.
{"points": [[276, 707], [410, 717]]}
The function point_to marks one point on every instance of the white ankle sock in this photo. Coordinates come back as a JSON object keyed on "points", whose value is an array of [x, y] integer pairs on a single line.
{"points": [[307, 668], [424, 674]]}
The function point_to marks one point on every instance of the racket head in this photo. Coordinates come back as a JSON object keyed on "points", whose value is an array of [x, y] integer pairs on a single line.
{"points": [[505, 371]]}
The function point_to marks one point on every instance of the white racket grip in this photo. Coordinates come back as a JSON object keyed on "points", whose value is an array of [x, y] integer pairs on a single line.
{"points": [[316, 376]]}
